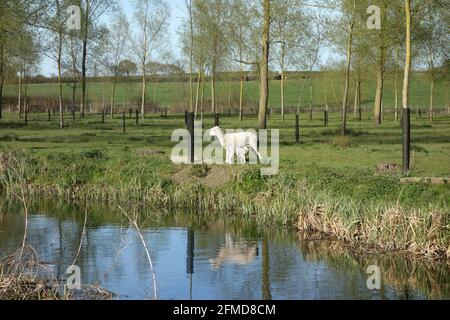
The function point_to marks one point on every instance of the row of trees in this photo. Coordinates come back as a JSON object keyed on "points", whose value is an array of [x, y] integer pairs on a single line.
{"points": [[291, 34], [225, 35]]}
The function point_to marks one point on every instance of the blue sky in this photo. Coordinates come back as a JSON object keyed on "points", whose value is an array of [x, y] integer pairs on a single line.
{"points": [[48, 66]]}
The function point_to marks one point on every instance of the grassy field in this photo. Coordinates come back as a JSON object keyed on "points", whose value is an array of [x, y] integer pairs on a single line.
{"points": [[366, 146], [326, 89], [328, 183]]}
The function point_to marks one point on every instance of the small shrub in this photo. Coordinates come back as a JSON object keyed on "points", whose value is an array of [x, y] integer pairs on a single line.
{"points": [[250, 181], [199, 171], [95, 154]]}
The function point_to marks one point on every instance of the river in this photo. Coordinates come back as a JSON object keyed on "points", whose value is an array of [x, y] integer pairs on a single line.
{"points": [[197, 256]]}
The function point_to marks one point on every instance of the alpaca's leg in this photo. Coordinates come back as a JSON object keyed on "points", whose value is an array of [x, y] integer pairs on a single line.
{"points": [[230, 154], [243, 160], [241, 155]]}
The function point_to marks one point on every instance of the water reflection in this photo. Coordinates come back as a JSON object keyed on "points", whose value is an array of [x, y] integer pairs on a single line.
{"points": [[236, 250], [197, 257]]}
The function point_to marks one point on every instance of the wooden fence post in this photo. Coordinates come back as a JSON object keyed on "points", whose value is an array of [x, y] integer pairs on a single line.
{"points": [[297, 128], [190, 123], [124, 123], [217, 120]]}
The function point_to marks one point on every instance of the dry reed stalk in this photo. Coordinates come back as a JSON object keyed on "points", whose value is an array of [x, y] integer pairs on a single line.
{"points": [[82, 236], [136, 226], [123, 246]]}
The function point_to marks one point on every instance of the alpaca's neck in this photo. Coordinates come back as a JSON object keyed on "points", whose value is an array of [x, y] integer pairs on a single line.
{"points": [[221, 138]]}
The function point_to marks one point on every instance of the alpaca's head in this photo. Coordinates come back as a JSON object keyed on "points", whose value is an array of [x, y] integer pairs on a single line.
{"points": [[215, 132]]}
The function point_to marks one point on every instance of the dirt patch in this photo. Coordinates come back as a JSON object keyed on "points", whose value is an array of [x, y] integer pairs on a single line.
{"points": [[215, 176], [388, 167], [432, 181]]}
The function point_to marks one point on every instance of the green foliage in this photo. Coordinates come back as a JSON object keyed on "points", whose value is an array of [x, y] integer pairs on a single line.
{"points": [[250, 181]]}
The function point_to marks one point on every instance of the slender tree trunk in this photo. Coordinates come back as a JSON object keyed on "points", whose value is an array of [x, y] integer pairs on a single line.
{"points": [[347, 74], [113, 97], [2, 76], [197, 94], [103, 98], [213, 94], [446, 101], [264, 66], [202, 100], [355, 106], [229, 93], [191, 58], [397, 111], [406, 110], [74, 93], [19, 103], [431, 115], [241, 95], [360, 101], [282, 96], [60, 87], [25, 96], [155, 92], [83, 60], [311, 94], [144, 91], [380, 88], [282, 80]]}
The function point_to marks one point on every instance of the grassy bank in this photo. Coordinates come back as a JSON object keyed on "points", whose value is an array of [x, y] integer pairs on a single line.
{"points": [[328, 184]]}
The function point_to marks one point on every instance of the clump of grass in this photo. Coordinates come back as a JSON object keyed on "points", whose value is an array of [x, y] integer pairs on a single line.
{"points": [[386, 228], [199, 171], [418, 148], [342, 142], [88, 134], [349, 132], [96, 154], [9, 137]]}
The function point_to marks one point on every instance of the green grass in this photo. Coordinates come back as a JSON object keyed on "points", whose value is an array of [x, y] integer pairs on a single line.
{"points": [[366, 146], [329, 182], [168, 94]]}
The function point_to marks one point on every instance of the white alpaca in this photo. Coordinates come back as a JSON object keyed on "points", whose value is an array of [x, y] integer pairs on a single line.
{"points": [[236, 143]]}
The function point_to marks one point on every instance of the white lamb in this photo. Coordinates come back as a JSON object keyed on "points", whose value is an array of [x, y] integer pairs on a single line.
{"points": [[236, 143]]}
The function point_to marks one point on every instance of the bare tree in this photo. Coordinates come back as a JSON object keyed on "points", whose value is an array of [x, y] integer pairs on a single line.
{"points": [[71, 61], [116, 50], [264, 67], [190, 10], [92, 10], [59, 30], [242, 40], [151, 18], [290, 28], [350, 17], [432, 35], [406, 111]]}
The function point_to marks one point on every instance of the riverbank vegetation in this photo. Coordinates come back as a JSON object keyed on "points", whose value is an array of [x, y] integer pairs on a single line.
{"points": [[325, 184]]}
